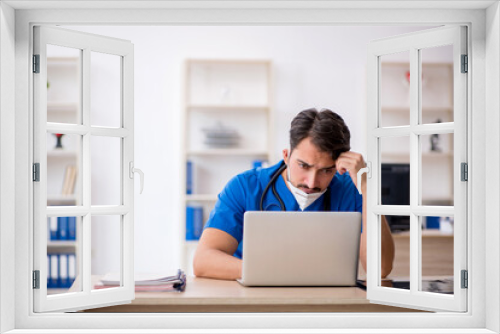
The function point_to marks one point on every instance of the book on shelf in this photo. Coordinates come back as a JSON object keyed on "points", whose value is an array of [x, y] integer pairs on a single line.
{"points": [[159, 282], [69, 180]]}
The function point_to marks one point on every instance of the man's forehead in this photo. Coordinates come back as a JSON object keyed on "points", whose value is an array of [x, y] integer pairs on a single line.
{"points": [[321, 164]]}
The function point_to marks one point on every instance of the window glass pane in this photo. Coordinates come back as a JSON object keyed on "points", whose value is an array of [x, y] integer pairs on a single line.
{"points": [[106, 170], [437, 169], [437, 254], [395, 89], [63, 84], [400, 275], [105, 90], [63, 258], [395, 170], [63, 172], [106, 248], [437, 84]]}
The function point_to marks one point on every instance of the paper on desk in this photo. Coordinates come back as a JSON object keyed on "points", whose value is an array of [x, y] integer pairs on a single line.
{"points": [[145, 279]]}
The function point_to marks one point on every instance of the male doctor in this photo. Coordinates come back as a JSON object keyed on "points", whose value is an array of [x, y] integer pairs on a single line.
{"points": [[318, 173]]}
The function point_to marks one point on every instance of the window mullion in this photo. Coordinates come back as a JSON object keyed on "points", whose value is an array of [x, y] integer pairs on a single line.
{"points": [[86, 175], [415, 168]]}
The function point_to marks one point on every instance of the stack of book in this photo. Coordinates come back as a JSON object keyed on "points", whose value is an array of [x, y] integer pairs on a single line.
{"points": [[62, 228], [164, 282]]}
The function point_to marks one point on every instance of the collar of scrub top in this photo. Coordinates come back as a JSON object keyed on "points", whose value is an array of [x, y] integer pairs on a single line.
{"points": [[272, 184]]}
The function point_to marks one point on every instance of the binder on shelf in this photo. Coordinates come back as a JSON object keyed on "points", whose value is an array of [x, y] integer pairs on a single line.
{"points": [[49, 283], [71, 268], [61, 270], [52, 282], [194, 222], [62, 228], [52, 222], [189, 177], [71, 228]]}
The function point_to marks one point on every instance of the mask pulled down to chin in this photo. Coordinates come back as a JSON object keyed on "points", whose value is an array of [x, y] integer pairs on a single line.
{"points": [[303, 199]]}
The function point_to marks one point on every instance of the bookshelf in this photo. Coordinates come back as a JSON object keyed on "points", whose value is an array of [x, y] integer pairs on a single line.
{"points": [[63, 189], [234, 95]]}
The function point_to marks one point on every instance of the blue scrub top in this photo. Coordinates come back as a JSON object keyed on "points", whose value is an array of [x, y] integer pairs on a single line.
{"points": [[244, 191]]}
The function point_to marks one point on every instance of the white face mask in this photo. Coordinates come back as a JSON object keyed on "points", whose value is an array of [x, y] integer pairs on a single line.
{"points": [[303, 199]]}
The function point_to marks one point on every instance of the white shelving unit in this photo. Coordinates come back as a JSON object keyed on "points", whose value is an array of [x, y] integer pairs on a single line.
{"points": [[436, 104], [63, 95], [236, 94]]}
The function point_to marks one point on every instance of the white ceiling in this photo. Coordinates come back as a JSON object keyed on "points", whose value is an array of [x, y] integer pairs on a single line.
{"points": [[250, 4]]}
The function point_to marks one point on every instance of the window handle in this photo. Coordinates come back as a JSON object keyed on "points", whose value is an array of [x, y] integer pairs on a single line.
{"points": [[133, 170], [367, 170]]}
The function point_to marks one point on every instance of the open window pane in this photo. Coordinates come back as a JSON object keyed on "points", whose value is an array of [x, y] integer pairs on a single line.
{"points": [[437, 254], [395, 89], [437, 160], [395, 171], [400, 274], [63, 256], [437, 90], [63, 84], [105, 89], [63, 175], [106, 248], [106, 170]]}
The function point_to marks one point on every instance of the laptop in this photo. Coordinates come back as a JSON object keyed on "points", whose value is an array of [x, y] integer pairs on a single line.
{"points": [[300, 248]]}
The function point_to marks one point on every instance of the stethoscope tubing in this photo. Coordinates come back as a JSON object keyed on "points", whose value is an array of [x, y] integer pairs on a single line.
{"points": [[272, 184]]}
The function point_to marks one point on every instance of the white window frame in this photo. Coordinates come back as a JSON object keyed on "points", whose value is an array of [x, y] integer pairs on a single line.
{"points": [[484, 104], [124, 51], [414, 43]]}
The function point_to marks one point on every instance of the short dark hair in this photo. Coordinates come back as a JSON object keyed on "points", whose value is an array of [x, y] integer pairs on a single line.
{"points": [[327, 130]]}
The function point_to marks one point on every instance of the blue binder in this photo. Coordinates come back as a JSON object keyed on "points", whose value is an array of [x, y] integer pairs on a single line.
{"points": [[62, 228], [194, 222], [52, 221], [63, 271], [71, 228], [189, 177], [53, 281]]}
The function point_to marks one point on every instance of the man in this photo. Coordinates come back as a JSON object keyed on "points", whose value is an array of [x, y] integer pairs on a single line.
{"points": [[318, 173]]}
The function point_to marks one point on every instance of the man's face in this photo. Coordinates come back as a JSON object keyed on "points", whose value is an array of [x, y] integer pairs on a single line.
{"points": [[310, 170]]}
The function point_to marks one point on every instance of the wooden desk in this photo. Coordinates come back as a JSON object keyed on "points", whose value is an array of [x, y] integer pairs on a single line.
{"points": [[437, 254], [209, 295]]}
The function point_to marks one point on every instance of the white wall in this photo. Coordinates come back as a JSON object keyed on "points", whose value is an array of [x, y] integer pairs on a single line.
{"points": [[315, 66]]}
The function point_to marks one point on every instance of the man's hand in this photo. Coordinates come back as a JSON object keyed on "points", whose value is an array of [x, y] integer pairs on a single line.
{"points": [[352, 162]]}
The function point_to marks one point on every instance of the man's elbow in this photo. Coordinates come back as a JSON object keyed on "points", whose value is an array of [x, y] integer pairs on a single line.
{"points": [[198, 264], [386, 268]]}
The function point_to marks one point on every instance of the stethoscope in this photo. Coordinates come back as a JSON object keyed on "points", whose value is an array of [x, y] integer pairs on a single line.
{"points": [[272, 184]]}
